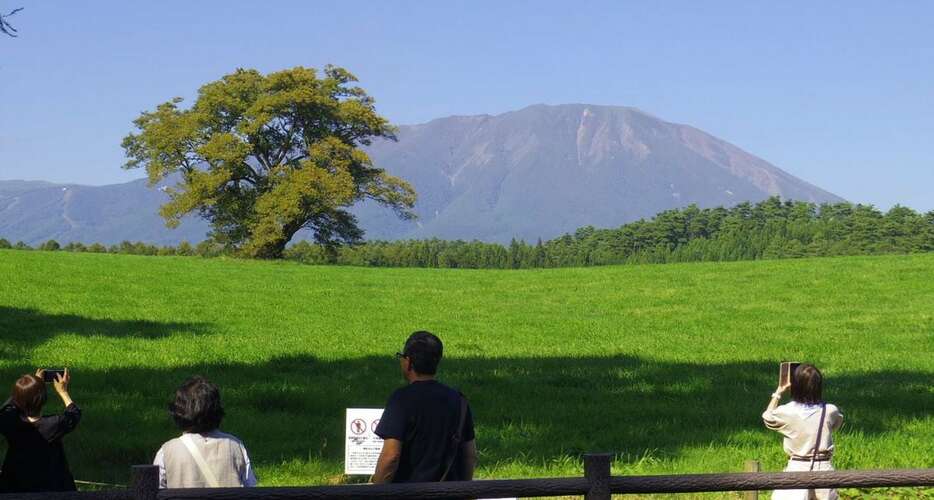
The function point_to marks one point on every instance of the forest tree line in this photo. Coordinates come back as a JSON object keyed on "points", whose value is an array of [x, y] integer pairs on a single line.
{"points": [[771, 229]]}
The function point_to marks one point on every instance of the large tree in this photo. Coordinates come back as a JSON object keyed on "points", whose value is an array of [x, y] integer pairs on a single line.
{"points": [[264, 156]]}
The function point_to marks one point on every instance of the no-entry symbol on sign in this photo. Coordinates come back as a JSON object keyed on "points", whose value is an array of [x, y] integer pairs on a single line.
{"points": [[357, 426], [362, 446]]}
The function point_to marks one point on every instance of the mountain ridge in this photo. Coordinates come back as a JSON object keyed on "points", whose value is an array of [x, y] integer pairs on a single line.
{"points": [[537, 172], [613, 165]]}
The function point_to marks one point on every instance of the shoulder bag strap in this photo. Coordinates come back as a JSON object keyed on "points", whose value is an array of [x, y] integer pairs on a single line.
{"points": [[456, 440], [820, 431], [199, 460]]}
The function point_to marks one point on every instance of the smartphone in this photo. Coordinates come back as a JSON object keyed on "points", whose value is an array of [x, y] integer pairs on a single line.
{"points": [[786, 370], [49, 374]]}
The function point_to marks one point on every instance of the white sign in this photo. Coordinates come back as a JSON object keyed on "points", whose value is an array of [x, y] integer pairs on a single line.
{"points": [[362, 446]]}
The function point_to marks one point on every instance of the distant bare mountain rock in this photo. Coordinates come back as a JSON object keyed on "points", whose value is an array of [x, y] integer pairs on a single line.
{"points": [[10, 188], [534, 173], [547, 170], [37, 211]]}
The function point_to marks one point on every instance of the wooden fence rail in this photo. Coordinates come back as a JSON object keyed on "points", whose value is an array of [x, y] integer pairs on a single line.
{"points": [[597, 484]]}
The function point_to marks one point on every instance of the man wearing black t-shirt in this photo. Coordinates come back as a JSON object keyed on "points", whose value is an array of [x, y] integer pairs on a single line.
{"points": [[427, 427]]}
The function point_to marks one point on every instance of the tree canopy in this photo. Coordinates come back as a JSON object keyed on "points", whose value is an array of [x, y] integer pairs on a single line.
{"points": [[264, 156]]}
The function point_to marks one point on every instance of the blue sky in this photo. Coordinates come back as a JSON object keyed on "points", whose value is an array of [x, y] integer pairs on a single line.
{"points": [[840, 94]]}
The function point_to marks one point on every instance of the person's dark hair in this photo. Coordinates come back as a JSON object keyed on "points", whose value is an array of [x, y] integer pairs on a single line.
{"points": [[197, 406], [807, 385], [424, 350], [29, 395]]}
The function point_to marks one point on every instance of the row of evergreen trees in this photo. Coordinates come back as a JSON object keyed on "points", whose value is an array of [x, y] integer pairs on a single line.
{"points": [[203, 249], [768, 230]]}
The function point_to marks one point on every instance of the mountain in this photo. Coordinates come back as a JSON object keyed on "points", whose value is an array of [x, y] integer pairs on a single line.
{"points": [[39, 211], [547, 170], [534, 173]]}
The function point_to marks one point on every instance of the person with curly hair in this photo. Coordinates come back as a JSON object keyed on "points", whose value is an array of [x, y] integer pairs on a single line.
{"points": [[203, 456]]}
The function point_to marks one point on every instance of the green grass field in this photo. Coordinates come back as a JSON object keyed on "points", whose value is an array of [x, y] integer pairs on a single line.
{"points": [[670, 366]]}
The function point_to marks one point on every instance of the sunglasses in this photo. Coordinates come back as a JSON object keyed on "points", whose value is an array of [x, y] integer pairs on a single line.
{"points": [[400, 355]]}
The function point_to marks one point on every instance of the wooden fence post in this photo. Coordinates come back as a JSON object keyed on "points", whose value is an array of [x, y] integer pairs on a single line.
{"points": [[751, 466], [144, 482], [597, 472]]}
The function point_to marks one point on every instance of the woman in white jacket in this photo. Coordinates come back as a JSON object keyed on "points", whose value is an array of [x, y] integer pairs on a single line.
{"points": [[807, 423], [202, 456]]}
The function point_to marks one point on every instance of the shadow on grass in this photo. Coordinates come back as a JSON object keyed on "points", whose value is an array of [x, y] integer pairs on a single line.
{"points": [[529, 409], [23, 329]]}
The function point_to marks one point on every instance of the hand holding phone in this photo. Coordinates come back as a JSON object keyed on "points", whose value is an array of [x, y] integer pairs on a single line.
{"points": [[786, 372], [50, 375], [58, 377]]}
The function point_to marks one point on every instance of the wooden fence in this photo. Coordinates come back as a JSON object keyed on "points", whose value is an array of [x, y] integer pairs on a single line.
{"points": [[597, 484]]}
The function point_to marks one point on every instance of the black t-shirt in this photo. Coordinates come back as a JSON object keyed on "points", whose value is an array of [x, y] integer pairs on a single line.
{"points": [[424, 416], [35, 459]]}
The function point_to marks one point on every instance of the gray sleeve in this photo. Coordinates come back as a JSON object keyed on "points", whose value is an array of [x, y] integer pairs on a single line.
{"points": [[248, 477]]}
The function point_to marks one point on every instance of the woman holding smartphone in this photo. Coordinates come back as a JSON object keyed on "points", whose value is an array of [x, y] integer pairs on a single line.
{"points": [[35, 458], [807, 423]]}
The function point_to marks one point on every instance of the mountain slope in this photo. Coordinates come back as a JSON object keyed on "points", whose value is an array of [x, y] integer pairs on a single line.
{"points": [[546, 170], [89, 214], [534, 173]]}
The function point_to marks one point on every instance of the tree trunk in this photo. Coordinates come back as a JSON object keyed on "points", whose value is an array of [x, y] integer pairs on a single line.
{"points": [[273, 249]]}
